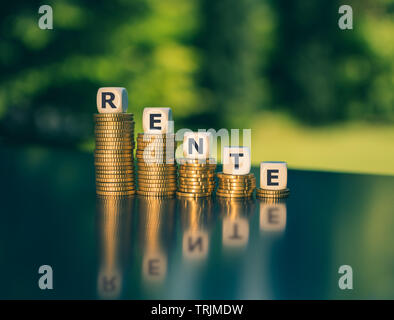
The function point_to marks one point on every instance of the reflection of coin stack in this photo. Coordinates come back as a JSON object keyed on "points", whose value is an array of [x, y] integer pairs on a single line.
{"points": [[112, 214], [196, 177], [235, 186], [262, 193], [155, 217], [156, 165], [196, 215], [113, 157]]}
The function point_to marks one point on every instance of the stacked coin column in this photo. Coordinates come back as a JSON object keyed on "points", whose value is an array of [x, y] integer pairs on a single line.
{"points": [[236, 181], [114, 135], [196, 178], [156, 154], [196, 170]]}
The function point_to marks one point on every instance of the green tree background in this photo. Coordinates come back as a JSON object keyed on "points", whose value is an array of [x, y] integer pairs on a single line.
{"points": [[216, 63]]}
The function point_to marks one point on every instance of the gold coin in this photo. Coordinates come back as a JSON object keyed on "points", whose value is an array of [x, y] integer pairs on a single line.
{"points": [[235, 176], [148, 193], [154, 154], [156, 186], [113, 151], [115, 193], [169, 144], [196, 166], [113, 116], [207, 161], [157, 196], [194, 172], [231, 185], [116, 124], [191, 183], [117, 161], [114, 179], [156, 171], [196, 188], [157, 182], [147, 179], [156, 135], [262, 196], [114, 136], [113, 133], [126, 122], [114, 144], [193, 195], [117, 172], [233, 196], [156, 177], [106, 156], [273, 191]]}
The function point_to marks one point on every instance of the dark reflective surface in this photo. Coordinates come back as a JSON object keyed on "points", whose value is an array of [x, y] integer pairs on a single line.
{"points": [[190, 249]]}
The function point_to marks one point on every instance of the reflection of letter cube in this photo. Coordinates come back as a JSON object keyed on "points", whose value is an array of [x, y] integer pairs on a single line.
{"points": [[272, 216], [235, 232], [154, 266], [196, 145], [236, 160], [273, 175], [112, 100], [195, 244], [156, 120]]}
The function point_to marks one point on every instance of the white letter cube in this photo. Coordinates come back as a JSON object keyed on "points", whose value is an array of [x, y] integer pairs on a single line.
{"points": [[236, 160], [156, 120], [273, 175], [196, 145], [112, 100]]}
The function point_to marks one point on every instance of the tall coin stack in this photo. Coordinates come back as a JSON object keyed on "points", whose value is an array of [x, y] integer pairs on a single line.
{"points": [[156, 165], [113, 156], [196, 177], [235, 186]]}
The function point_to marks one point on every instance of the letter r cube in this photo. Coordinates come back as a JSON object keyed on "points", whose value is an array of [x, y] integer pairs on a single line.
{"points": [[157, 120], [236, 160], [112, 100], [273, 175]]}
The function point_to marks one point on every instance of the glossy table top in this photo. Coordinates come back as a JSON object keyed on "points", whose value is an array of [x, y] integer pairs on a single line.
{"points": [[190, 249]]}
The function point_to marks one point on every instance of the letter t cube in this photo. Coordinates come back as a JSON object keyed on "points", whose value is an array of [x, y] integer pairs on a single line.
{"points": [[236, 160]]}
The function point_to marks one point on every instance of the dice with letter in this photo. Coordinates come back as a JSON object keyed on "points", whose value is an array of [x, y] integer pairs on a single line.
{"points": [[273, 175], [112, 100], [157, 120], [196, 145], [236, 160]]}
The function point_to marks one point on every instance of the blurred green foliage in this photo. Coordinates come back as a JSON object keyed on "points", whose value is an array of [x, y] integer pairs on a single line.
{"points": [[214, 62]]}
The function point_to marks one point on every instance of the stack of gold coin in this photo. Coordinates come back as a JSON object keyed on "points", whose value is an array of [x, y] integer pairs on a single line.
{"points": [[265, 193], [196, 177], [113, 156], [235, 186], [156, 165]]}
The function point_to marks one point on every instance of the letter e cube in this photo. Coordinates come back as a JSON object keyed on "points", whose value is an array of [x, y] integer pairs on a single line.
{"points": [[156, 120], [112, 100]]}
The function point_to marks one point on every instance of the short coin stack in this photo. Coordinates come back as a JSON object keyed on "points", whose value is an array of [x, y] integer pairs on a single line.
{"points": [[113, 156], [196, 177], [264, 193], [156, 165], [235, 186]]}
